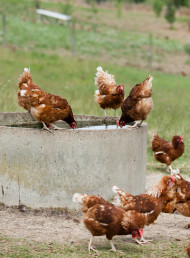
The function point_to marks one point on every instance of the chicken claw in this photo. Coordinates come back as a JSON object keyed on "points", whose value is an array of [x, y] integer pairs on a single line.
{"points": [[45, 127], [58, 128], [90, 248], [143, 241], [136, 124]]}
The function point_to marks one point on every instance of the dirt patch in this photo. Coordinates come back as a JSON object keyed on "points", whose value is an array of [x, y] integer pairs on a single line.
{"points": [[46, 225]]}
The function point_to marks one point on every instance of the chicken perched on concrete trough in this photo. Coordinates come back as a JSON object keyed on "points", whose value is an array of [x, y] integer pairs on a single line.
{"points": [[109, 95], [138, 104], [44, 107]]}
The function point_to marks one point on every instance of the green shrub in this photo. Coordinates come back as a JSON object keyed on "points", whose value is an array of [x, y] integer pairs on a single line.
{"points": [[170, 12], [157, 7]]}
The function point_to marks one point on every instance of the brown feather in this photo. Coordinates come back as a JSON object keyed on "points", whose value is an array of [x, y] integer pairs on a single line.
{"points": [[171, 150], [44, 107], [139, 103]]}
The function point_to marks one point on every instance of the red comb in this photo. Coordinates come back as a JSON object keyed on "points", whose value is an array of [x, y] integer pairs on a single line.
{"points": [[173, 179]]}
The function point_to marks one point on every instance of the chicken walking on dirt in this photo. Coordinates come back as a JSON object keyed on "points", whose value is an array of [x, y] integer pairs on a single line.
{"points": [[44, 107], [138, 104], [102, 218], [166, 152], [151, 202], [109, 95]]}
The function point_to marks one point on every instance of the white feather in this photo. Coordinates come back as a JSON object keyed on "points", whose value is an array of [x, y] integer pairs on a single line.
{"points": [[151, 79], [96, 92], [114, 189], [103, 224], [77, 198], [159, 152], [22, 93], [148, 213], [26, 69], [99, 69]]}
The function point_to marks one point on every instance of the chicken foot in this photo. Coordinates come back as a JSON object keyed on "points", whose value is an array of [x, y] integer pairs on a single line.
{"points": [[169, 169], [136, 124], [142, 241], [113, 249], [58, 128], [112, 246], [90, 248], [45, 127], [105, 115]]}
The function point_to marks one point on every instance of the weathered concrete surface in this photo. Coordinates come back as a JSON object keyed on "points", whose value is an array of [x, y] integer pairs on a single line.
{"points": [[40, 169]]}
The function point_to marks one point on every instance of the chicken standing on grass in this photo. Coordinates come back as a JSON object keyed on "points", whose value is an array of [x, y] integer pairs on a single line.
{"points": [[138, 104], [44, 107], [102, 218], [166, 152], [109, 95]]}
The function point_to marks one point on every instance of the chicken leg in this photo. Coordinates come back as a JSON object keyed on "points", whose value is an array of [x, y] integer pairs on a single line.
{"points": [[169, 169], [90, 248], [112, 246], [116, 114], [58, 128], [46, 128]]}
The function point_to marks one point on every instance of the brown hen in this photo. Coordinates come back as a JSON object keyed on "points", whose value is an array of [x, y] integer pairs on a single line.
{"points": [[44, 107], [103, 218], [152, 202], [138, 104], [109, 95], [166, 152]]}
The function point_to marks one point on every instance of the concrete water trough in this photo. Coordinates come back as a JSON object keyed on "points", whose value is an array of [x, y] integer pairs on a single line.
{"points": [[42, 169]]}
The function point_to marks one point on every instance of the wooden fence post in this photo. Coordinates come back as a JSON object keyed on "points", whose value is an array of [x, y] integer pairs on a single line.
{"points": [[73, 38], [149, 54], [3, 30]]}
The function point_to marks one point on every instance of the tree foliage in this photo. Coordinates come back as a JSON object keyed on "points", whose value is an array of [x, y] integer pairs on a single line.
{"points": [[157, 7], [187, 48], [170, 12]]}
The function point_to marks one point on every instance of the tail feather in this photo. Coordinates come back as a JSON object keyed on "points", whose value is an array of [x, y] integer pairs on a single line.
{"points": [[104, 78], [78, 198], [114, 189], [97, 95], [153, 137], [25, 77], [118, 191], [26, 70], [116, 199]]}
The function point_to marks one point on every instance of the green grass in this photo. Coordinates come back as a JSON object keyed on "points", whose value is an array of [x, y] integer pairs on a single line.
{"points": [[112, 40], [11, 247], [73, 78]]}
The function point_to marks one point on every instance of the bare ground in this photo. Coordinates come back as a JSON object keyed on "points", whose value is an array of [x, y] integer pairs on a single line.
{"points": [[59, 225]]}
